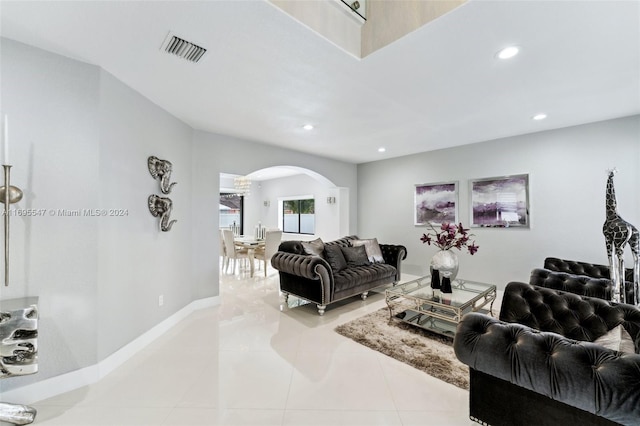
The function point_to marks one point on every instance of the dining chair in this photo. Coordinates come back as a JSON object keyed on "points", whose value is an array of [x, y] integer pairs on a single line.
{"points": [[232, 251], [271, 243], [223, 249]]}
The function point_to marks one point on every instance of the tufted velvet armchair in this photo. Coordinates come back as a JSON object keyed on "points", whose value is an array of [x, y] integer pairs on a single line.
{"points": [[538, 364], [582, 268], [582, 285]]}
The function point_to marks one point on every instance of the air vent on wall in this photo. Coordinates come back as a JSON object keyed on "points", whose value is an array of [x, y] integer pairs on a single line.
{"points": [[183, 48]]}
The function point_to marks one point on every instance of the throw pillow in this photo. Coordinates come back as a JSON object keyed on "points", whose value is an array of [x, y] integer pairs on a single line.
{"points": [[314, 247], [333, 255], [355, 256], [372, 248], [617, 339]]}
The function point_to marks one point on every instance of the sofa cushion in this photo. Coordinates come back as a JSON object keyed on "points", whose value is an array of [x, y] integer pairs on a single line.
{"points": [[354, 276], [355, 256], [333, 255], [371, 246], [617, 339], [313, 247]]}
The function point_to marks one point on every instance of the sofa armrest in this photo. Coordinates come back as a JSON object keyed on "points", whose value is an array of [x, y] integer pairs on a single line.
{"points": [[300, 265], [580, 374], [393, 255]]}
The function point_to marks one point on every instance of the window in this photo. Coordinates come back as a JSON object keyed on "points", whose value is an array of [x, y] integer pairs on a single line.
{"points": [[298, 216], [231, 206]]}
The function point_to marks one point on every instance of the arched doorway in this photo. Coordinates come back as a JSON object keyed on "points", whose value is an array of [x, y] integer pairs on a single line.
{"points": [[271, 186]]}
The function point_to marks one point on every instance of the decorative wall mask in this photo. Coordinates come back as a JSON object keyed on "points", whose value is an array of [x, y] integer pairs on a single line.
{"points": [[161, 207], [161, 170]]}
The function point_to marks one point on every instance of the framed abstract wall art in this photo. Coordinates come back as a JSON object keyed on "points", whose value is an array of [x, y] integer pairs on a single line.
{"points": [[436, 203], [500, 202]]}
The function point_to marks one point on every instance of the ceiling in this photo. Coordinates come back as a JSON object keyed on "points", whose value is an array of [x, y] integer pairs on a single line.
{"points": [[265, 75]]}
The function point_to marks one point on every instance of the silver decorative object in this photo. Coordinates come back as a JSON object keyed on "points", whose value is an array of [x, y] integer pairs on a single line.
{"points": [[13, 195], [18, 351], [161, 170], [618, 233], [161, 207], [17, 414]]}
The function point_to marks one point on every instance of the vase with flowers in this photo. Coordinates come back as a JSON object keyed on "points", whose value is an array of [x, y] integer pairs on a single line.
{"points": [[444, 264]]}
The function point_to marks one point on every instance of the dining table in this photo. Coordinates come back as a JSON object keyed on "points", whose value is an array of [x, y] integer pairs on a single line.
{"points": [[251, 243]]}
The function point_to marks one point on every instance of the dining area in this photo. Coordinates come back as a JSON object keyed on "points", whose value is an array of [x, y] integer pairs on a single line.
{"points": [[240, 252]]}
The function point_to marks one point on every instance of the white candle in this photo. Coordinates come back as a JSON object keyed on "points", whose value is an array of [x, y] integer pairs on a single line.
{"points": [[6, 139]]}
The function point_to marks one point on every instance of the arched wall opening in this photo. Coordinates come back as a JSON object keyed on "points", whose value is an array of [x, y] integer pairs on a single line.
{"points": [[263, 205]]}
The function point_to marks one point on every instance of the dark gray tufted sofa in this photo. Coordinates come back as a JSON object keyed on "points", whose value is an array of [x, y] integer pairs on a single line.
{"points": [[537, 363], [311, 277]]}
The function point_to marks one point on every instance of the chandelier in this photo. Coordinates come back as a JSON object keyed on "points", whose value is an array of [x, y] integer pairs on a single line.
{"points": [[242, 185]]}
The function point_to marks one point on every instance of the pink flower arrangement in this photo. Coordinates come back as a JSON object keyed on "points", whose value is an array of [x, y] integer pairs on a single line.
{"points": [[450, 236]]}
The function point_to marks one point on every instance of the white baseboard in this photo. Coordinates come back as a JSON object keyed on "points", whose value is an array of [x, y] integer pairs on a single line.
{"points": [[57, 385]]}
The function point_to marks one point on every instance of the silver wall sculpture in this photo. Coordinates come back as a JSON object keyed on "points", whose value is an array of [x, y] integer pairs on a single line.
{"points": [[161, 207], [161, 170], [18, 352]]}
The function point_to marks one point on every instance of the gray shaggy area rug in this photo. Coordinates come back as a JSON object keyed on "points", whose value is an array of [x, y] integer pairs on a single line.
{"points": [[426, 351]]}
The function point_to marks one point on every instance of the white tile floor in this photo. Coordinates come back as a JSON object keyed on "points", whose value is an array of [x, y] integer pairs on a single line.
{"points": [[254, 361]]}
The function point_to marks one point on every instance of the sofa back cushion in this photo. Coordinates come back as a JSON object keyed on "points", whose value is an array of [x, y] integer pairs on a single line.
{"points": [[313, 247], [371, 246], [291, 246], [297, 247], [576, 317], [617, 339], [355, 256], [333, 255]]}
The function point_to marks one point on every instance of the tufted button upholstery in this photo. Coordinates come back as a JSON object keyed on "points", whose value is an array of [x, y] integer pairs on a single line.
{"points": [[579, 284], [543, 342], [577, 268], [591, 270], [577, 317], [580, 374]]}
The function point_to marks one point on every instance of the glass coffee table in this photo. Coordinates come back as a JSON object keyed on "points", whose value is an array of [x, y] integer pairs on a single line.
{"points": [[416, 303]]}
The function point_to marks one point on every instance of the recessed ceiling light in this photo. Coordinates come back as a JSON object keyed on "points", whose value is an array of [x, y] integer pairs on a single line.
{"points": [[308, 127], [540, 116], [382, 149], [508, 52]]}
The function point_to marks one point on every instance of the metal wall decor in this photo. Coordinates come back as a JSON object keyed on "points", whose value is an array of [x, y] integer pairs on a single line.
{"points": [[618, 233], [13, 195], [161, 170], [161, 207]]}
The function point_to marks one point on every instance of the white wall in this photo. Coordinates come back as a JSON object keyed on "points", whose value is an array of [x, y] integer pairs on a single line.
{"points": [[327, 216], [214, 154], [52, 105], [137, 262], [567, 173], [80, 139]]}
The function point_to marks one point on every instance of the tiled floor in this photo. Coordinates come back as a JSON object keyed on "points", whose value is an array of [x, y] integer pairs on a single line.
{"points": [[254, 361]]}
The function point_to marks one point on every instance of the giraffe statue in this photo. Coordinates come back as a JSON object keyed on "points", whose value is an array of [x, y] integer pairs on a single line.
{"points": [[618, 233]]}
